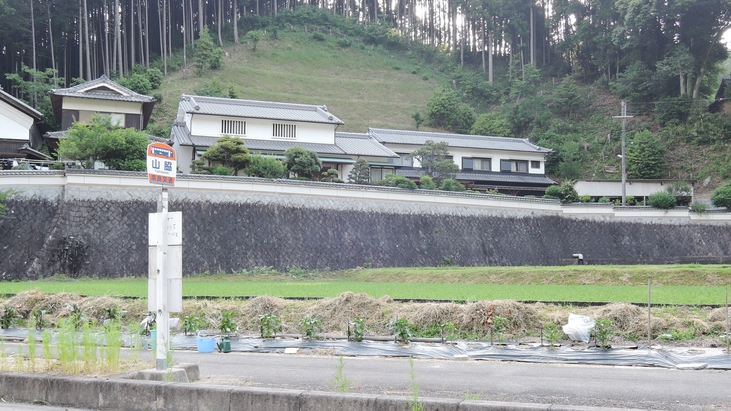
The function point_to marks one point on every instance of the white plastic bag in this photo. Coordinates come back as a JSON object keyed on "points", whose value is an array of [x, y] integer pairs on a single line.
{"points": [[579, 327]]}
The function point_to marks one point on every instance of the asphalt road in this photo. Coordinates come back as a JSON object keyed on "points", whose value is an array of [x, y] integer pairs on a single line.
{"points": [[566, 384], [569, 384]]}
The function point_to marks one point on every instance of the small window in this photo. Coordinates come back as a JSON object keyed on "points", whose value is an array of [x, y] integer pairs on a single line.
{"points": [[406, 160], [514, 166], [233, 127], [480, 164], [380, 173], [284, 130], [535, 164]]}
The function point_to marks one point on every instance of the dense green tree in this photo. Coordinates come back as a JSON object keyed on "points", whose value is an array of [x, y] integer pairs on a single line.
{"points": [[117, 147], [361, 172], [265, 167], [435, 161], [207, 53], [491, 124], [645, 156], [5, 195], [567, 98], [445, 110], [230, 152], [302, 162]]}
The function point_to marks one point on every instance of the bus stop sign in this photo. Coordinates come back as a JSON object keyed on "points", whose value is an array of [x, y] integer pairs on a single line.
{"points": [[161, 164]]}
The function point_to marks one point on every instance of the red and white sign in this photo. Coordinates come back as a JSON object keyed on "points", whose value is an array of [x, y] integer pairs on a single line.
{"points": [[162, 164]]}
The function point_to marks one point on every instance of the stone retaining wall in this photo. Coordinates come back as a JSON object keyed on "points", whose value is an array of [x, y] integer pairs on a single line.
{"points": [[96, 224]]}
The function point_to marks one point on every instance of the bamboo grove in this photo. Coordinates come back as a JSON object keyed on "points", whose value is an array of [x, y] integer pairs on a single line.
{"points": [[678, 41]]}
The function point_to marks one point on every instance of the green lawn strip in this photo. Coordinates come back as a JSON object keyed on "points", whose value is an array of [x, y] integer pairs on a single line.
{"points": [[691, 295], [685, 275]]}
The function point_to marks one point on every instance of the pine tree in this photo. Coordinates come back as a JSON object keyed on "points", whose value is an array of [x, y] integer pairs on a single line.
{"points": [[361, 172]]}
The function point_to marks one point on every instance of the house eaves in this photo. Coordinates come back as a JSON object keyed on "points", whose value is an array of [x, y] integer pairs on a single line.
{"points": [[20, 106]]}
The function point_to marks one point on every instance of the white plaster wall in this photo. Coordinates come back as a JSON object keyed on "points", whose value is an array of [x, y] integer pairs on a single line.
{"points": [[614, 188], [494, 155], [14, 125], [185, 158], [261, 129], [106, 106]]}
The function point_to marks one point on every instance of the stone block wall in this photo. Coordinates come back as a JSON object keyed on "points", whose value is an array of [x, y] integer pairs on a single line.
{"points": [[97, 230]]}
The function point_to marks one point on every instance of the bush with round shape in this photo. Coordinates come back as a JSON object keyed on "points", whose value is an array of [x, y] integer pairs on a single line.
{"points": [[662, 200], [722, 196]]}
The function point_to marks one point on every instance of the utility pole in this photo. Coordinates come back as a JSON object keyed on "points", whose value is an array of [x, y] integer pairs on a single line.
{"points": [[624, 118]]}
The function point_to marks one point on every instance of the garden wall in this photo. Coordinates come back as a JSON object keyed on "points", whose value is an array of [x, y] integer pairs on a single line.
{"points": [[91, 223]]}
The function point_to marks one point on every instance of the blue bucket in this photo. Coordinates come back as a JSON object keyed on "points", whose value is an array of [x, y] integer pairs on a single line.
{"points": [[205, 344], [153, 340]]}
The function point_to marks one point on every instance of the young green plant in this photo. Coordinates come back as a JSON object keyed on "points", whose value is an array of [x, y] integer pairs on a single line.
{"points": [[414, 402], [342, 384]]}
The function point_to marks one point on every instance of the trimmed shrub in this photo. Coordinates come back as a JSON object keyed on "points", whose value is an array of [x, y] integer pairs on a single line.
{"points": [[427, 183], [722, 196], [662, 200]]}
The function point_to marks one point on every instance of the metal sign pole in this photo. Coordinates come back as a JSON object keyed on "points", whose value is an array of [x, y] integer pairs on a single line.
{"points": [[163, 326]]}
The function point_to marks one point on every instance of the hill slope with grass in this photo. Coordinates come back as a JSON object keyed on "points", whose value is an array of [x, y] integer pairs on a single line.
{"points": [[382, 83], [364, 86]]}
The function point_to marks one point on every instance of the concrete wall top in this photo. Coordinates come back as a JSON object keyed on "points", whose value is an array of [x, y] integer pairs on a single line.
{"points": [[187, 185]]}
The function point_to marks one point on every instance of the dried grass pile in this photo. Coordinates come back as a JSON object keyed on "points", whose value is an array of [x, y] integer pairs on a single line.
{"points": [[335, 313], [520, 317], [626, 317]]}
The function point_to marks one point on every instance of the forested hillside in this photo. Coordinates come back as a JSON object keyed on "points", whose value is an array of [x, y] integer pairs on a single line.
{"points": [[553, 71]]}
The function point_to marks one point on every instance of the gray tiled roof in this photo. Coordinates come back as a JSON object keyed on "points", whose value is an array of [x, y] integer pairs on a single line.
{"points": [[455, 140], [92, 89], [348, 144], [64, 133], [362, 144], [256, 109], [503, 178], [19, 105]]}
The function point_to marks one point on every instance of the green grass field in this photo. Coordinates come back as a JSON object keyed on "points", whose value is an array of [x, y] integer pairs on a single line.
{"points": [[687, 284], [363, 86]]}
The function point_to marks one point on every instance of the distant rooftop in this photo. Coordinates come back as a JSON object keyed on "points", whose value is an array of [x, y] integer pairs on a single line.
{"points": [[256, 109], [102, 88], [455, 140]]}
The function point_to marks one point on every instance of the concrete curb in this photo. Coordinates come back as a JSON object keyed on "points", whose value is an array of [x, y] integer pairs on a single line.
{"points": [[141, 395]]}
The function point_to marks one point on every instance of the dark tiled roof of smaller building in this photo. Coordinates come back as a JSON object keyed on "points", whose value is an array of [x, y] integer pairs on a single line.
{"points": [[256, 109], [455, 140]]}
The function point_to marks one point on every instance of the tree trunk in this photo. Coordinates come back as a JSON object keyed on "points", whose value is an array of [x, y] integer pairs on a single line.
{"points": [[200, 14], [702, 71], [484, 67], [53, 56], [532, 38], [185, 40], [220, 19], [235, 19], [132, 51], [118, 38], [33, 39], [81, 44], [147, 33], [160, 13], [489, 56], [683, 90], [107, 61], [139, 28]]}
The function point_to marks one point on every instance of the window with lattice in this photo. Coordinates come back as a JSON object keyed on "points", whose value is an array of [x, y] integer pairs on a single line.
{"points": [[233, 127], [284, 130]]}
